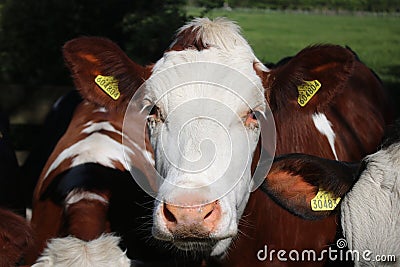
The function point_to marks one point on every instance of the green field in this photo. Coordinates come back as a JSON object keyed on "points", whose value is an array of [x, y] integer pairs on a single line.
{"points": [[277, 34]]}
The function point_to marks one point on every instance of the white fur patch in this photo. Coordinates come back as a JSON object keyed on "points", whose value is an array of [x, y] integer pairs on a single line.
{"points": [[324, 126], [70, 251], [220, 32], [370, 211], [77, 195], [96, 148], [100, 109], [98, 126]]}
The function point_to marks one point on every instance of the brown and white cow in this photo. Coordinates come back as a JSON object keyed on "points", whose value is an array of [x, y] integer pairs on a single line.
{"points": [[343, 120]]}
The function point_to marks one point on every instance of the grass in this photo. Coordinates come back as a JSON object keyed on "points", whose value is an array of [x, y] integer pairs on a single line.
{"points": [[276, 34]]}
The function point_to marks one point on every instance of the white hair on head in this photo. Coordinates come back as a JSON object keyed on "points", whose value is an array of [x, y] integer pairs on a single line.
{"points": [[219, 32], [71, 251]]}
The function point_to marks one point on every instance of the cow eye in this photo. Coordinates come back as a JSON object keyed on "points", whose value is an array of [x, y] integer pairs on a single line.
{"points": [[154, 116], [251, 120], [154, 111]]}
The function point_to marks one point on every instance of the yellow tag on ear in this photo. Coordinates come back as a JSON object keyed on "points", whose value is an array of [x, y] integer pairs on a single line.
{"points": [[324, 201], [109, 85], [306, 91]]}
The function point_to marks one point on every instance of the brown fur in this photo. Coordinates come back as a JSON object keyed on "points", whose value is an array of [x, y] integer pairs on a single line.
{"points": [[107, 59], [87, 219], [355, 102], [15, 238], [187, 39], [330, 65], [295, 179]]}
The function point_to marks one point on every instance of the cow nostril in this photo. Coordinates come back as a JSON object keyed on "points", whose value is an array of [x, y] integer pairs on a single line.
{"points": [[169, 216], [208, 214]]}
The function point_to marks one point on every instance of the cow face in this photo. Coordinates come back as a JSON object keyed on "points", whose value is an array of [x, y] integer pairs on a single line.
{"points": [[204, 127]]}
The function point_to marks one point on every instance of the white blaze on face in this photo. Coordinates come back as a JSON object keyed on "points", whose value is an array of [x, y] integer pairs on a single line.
{"points": [[324, 126], [203, 147]]}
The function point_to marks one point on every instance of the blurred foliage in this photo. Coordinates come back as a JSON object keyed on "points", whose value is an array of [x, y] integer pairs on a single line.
{"points": [[353, 5], [209, 5], [150, 29], [32, 33]]}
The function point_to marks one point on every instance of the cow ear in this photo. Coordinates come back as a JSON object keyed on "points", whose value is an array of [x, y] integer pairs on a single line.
{"points": [[309, 186], [102, 72], [310, 79]]}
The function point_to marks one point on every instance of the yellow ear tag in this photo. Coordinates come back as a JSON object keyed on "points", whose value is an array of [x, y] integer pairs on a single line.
{"points": [[306, 91], [109, 85], [324, 201]]}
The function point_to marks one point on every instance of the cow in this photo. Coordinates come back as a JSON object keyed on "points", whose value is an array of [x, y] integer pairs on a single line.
{"points": [[370, 192], [323, 102]]}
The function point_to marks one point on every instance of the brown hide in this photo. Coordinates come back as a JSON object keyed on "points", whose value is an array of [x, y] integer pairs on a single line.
{"points": [[354, 101], [15, 238], [87, 220]]}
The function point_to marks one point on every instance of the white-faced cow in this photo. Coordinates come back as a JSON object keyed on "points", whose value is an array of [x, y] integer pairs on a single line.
{"points": [[324, 101]]}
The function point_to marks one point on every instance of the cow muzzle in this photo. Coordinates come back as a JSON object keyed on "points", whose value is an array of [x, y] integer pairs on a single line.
{"points": [[191, 223]]}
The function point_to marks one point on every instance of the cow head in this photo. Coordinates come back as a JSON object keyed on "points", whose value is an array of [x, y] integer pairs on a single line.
{"points": [[204, 128], [205, 107]]}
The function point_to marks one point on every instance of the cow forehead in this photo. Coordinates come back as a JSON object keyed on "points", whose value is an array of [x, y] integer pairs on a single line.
{"points": [[189, 75]]}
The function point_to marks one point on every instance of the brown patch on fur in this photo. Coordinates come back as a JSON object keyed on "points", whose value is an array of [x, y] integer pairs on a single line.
{"points": [[88, 57], [118, 165], [188, 39], [87, 219], [15, 237], [46, 223], [292, 192], [326, 67]]}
